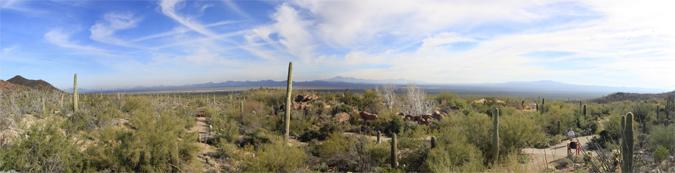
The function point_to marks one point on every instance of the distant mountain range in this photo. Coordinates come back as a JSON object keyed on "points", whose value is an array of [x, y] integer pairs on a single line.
{"points": [[524, 88], [621, 96], [548, 89]]}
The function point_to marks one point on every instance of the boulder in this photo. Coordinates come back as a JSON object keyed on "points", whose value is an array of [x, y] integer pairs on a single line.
{"points": [[342, 117], [306, 98], [438, 115], [367, 116]]}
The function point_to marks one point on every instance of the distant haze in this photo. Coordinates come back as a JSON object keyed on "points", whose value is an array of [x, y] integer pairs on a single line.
{"points": [[548, 89]]}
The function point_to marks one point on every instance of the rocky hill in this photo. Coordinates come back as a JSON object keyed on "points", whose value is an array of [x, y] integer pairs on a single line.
{"points": [[621, 96], [7, 85], [34, 84]]}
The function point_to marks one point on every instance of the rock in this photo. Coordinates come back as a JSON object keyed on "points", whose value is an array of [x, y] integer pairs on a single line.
{"points": [[342, 117], [438, 115], [306, 98], [368, 116]]}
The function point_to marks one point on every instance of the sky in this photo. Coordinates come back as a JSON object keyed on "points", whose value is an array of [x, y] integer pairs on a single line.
{"points": [[125, 43]]}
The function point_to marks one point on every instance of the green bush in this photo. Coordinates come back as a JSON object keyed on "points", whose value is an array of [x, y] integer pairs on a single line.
{"points": [[225, 129], [518, 131], [277, 157], [453, 154], [661, 153], [449, 101], [43, 148], [158, 143], [663, 136]]}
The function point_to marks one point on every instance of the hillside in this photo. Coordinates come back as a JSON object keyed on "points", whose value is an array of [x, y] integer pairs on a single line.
{"points": [[34, 84], [621, 96], [6, 85]]}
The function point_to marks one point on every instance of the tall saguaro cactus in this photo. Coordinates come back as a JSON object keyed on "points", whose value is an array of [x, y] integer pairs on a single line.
{"points": [[495, 135], [379, 135], [289, 88], [542, 108], [394, 150], [44, 107], [75, 95], [584, 111], [670, 106], [627, 143]]}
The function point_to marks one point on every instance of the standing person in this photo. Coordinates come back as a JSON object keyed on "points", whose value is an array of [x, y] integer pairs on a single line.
{"points": [[572, 145], [578, 146], [571, 134]]}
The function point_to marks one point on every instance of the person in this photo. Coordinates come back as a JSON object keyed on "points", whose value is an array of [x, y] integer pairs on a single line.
{"points": [[571, 134], [570, 146], [578, 146]]}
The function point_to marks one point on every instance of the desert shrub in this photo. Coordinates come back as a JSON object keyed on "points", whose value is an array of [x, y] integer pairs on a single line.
{"points": [[43, 148], [478, 130], [388, 122], [447, 101], [369, 101], [302, 124], [661, 153], [133, 103], [80, 120], [335, 144], [341, 152], [559, 118], [277, 157], [663, 136], [613, 128], [158, 143], [378, 154], [518, 131], [413, 159], [323, 132], [453, 153], [342, 108], [225, 129], [256, 138]]}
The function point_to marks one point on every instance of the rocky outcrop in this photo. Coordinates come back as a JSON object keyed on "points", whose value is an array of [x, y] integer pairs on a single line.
{"points": [[341, 117], [367, 116]]}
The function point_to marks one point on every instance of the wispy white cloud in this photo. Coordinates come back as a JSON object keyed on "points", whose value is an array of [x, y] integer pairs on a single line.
{"points": [[61, 38], [349, 22], [18, 5], [168, 8], [180, 30], [234, 7], [104, 30]]}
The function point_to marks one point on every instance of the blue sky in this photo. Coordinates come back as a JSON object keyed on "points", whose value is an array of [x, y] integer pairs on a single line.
{"points": [[169, 42]]}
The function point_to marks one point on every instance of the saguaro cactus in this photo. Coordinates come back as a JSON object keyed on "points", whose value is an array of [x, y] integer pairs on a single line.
{"points": [[394, 150], [542, 108], [495, 135], [289, 88], [584, 111], [44, 107], [75, 95], [379, 135], [670, 106], [627, 143], [658, 118]]}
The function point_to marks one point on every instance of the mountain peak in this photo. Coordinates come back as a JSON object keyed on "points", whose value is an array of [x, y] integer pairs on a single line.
{"points": [[17, 78], [35, 84]]}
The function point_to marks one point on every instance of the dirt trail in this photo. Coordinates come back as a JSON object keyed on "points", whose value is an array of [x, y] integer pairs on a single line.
{"points": [[203, 130], [540, 157]]}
